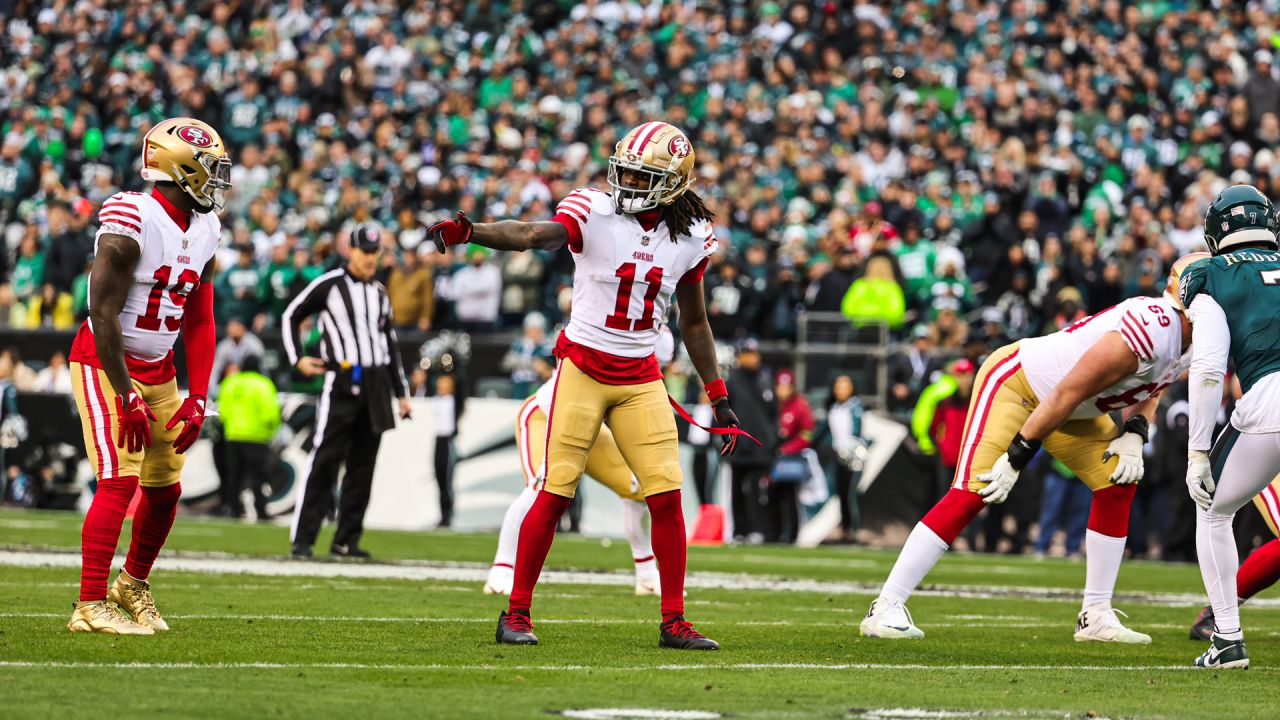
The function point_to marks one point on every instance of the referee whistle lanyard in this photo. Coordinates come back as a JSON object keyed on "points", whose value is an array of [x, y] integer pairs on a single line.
{"points": [[684, 415]]}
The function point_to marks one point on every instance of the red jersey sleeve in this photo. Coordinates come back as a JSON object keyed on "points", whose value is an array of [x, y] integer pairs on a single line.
{"points": [[573, 212]]}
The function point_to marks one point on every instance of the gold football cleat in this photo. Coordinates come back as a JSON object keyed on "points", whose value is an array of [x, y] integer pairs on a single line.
{"points": [[134, 597], [104, 617]]}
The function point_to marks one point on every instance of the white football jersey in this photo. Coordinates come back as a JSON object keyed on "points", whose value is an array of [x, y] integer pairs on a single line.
{"points": [[666, 351], [1150, 327], [624, 275], [168, 268]]}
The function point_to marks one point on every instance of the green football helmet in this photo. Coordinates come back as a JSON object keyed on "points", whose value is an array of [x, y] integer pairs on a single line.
{"points": [[1240, 215]]}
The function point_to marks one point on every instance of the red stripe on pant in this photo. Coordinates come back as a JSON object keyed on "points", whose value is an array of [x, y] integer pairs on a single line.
{"points": [[990, 386]]}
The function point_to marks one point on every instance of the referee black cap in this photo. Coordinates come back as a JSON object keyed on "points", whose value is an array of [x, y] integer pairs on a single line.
{"points": [[366, 238]]}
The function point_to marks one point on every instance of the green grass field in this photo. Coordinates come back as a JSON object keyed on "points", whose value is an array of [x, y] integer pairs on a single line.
{"points": [[337, 639]]}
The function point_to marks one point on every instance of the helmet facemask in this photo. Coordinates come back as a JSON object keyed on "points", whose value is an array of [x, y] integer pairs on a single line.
{"points": [[662, 184]]}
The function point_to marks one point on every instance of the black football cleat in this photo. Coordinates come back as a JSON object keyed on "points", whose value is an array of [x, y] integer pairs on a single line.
{"points": [[1202, 628], [679, 634], [300, 552], [349, 552], [515, 628]]}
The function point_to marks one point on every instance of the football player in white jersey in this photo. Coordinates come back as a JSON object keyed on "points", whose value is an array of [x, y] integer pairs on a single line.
{"points": [[633, 249], [151, 281], [1059, 392], [605, 464]]}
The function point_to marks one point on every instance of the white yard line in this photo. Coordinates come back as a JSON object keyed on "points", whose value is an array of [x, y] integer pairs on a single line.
{"points": [[496, 667], [477, 572]]}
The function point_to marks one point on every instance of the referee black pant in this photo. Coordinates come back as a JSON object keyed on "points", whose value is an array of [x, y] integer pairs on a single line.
{"points": [[343, 435]]}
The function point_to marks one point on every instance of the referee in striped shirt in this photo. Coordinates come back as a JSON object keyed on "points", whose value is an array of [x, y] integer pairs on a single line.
{"points": [[360, 361]]}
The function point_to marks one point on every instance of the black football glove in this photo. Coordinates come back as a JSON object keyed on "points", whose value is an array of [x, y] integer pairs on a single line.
{"points": [[448, 233], [725, 417]]}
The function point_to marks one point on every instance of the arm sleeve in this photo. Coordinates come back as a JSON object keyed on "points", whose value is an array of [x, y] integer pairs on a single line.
{"points": [[401, 385], [308, 303], [574, 227], [200, 337], [1210, 341], [573, 212]]}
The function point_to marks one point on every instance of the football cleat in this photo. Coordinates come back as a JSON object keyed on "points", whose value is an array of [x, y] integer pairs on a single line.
{"points": [[1202, 628], [1224, 654], [300, 552], [1099, 623], [679, 634], [516, 628], [889, 619], [648, 584], [349, 552], [134, 597], [500, 580], [101, 616]]}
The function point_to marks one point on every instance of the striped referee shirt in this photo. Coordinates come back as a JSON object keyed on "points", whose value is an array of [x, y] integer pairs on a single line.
{"points": [[355, 324]]}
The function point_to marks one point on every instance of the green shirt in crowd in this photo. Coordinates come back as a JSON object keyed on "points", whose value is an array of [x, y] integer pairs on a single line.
{"points": [[249, 408]]}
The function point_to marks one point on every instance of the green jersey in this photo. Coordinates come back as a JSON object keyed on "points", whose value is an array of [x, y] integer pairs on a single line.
{"points": [[1246, 284]]}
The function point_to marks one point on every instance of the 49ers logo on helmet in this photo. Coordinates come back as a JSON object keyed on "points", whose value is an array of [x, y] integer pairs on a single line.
{"points": [[195, 136], [679, 146]]}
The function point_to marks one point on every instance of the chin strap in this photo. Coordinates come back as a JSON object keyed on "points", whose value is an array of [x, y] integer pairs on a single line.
{"points": [[684, 415]]}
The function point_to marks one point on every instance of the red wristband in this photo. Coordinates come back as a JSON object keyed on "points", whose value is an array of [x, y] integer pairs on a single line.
{"points": [[716, 390]]}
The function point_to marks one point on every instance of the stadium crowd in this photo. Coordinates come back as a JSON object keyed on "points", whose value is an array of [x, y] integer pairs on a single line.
{"points": [[965, 172]]}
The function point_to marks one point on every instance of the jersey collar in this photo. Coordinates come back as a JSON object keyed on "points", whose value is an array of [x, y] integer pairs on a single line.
{"points": [[647, 219], [181, 219]]}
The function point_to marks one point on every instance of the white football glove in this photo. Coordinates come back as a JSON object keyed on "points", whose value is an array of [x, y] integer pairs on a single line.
{"points": [[1200, 478], [1127, 447], [1000, 480]]}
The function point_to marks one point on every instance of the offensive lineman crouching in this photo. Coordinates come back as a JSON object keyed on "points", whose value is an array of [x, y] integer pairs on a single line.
{"points": [[1057, 392], [149, 283], [633, 248]]}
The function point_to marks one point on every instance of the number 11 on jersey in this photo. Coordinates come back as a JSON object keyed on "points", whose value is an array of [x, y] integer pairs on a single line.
{"points": [[620, 320]]}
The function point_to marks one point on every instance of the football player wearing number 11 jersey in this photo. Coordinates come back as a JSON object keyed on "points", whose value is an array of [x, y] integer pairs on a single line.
{"points": [[150, 282], [633, 248], [1058, 392]]}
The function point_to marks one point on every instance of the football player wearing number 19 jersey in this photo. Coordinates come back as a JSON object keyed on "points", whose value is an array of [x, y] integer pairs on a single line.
{"points": [[633, 248], [150, 282], [1057, 392]]}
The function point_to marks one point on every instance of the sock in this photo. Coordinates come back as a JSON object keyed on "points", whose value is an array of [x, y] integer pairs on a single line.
{"points": [[669, 547], [151, 525], [1104, 542], [101, 533], [923, 550], [1103, 554], [1260, 571], [510, 533], [1216, 548], [637, 534], [536, 533]]}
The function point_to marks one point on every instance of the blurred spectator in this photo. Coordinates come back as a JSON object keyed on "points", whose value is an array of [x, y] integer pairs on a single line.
{"points": [[703, 449], [875, 297], [22, 377], [419, 385], [250, 412], [790, 469], [938, 420], [751, 387], [56, 377], [525, 353], [412, 293], [237, 288], [844, 425], [521, 285], [910, 370], [447, 408], [477, 292], [234, 349], [28, 268], [1064, 503]]}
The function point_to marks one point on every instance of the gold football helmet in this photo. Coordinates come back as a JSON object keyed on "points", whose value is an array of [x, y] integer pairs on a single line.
{"points": [[189, 153], [661, 154], [1171, 288]]}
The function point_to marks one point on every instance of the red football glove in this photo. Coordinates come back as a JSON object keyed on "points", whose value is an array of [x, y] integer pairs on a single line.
{"points": [[135, 422], [192, 413], [448, 233]]}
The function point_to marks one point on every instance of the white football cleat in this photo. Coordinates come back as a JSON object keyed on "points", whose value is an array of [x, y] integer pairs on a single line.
{"points": [[648, 584], [889, 619], [1100, 624], [501, 578]]}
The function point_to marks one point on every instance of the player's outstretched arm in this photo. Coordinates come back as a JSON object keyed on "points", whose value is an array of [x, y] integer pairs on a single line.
{"points": [[109, 282], [502, 235]]}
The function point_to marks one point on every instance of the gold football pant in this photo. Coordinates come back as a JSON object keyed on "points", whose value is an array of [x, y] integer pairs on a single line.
{"points": [[1268, 503], [644, 431], [604, 462], [155, 466], [1002, 401]]}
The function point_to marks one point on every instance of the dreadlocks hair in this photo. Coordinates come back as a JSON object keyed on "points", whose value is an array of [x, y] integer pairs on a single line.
{"points": [[682, 213]]}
